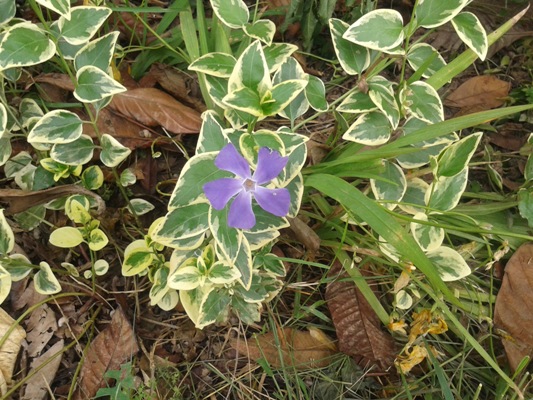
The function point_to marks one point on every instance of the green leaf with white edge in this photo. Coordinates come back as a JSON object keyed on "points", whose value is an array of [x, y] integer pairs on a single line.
{"points": [[455, 157], [45, 281], [199, 170], [263, 30], [413, 199], [290, 70], [357, 102], [257, 241], [113, 152], [250, 143], [191, 301], [159, 285], [18, 266], [17, 163], [140, 206], [215, 64], [248, 313], [97, 53], [76, 211], [7, 239], [251, 71], [296, 150], [391, 187], [371, 129], [127, 177], [277, 53], [420, 53], [380, 29], [445, 192], [5, 150], [246, 100], [296, 189], [265, 222], [57, 126], [243, 263], [433, 13], [66, 237], [422, 101], [221, 273], [217, 88], [315, 92], [472, 33], [232, 13], [78, 152], [97, 240], [383, 97], [3, 119], [238, 118], [182, 223], [93, 85], [403, 300], [281, 95], [137, 258], [83, 23], [92, 177], [428, 237], [354, 59], [5, 284], [62, 7], [212, 136], [169, 301], [186, 277], [228, 239], [101, 267], [213, 307], [23, 45], [270, 263], [9, 10], [190, 243], [450, 265]]}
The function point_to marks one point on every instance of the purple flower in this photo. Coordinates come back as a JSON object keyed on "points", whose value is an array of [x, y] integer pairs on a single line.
{"points": [[245, 186]]}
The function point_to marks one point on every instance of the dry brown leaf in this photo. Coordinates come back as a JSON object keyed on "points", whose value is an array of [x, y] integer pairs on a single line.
{"points": [[512, 313], [109, 350], [39, 384], [479, 93], [357, 325], [304, 234], [153, 107], [289, 348], [10, 348], [40, 327]]}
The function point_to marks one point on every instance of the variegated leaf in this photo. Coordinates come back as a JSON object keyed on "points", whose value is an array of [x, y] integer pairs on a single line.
{"points": [[5, 284], [78, 152], [93, 85], [472, 33], [45, 281], [382, 96], [233, 13], [371, 129], [357, 102], [277, 53], [66, 237], [57, 126], [445, 192], [62, 7], [182, 223], [246, 100], [428, 237], [391, 187], [113, 152], [9, 10], [97, 240], [212, 136], [290, 70], [83, 23], [433, 13], [97, 53], [282, 95], [251, 71], [450, 265], [354, 59], [315, 93], [137, 258], [263, 30], [7, 239], [215, 64], [420, 55], [455, 158], [422, 101]]}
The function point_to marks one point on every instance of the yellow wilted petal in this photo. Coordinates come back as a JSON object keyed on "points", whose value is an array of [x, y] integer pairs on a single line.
{"points": [[398, 326], [414, 356], [424, 323]]}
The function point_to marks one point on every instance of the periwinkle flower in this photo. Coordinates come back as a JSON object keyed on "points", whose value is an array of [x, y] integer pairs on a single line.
{"points": [[245, 186]]}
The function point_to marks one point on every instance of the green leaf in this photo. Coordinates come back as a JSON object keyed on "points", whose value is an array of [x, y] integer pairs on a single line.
{"points": [[213, 307], [137, 258], [5, 150], [371, 129], [413, 200], [244, 99], [140, 206], [97, 240], [18, 265], [270, 263], [433, 13], [354, 59], [93, 85], [296, 150], [291, 70], [77, 209], [455, 157], [217, 88], [277, 53], [263, 30], [450, 265], [228, 239], [187, 277], [5, 284], [7, 239], [92, 177], [428, 237], [45, 281], [221, 273], [315, 92], [127, 177], [420, 53], [83, 23], [212, 136], [169, 301], [248, 313], [391, 187], [472, 33], [251, 71], [97, 53], [403, 300], [78, 152], [57, 126], [525, 205], [66, 237], [113, 152], [3, 119], [423, 102], [23, 45], [9, 10], [445, 192], [382, 95], [215, 64], [233, 13], [259, 240], [101, 267], [282, 94], [62, 7], [31, 218], [357, 102], [182, 223], [381, 29]]}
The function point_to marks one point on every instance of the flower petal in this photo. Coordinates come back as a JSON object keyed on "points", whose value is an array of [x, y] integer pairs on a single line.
{"points": [[240, 212], [275, 201], [220, 191], [269, 165], [230, 160]]}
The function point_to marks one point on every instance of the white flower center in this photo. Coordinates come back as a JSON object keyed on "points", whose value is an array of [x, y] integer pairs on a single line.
{"points": [[248, 185]]}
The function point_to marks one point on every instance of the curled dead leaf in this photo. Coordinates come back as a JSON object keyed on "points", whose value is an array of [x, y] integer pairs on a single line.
{"points": [[479, 93], [512, 313], [38, 385]]}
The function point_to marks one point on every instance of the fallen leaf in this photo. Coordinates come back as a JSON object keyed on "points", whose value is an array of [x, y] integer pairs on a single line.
{"points": [[153, 107], [304, 234], [109, 350], [479, 93], [40, 328], [290, 348], [9, 349], [357, 325], [38, 385], [512, 313]]}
